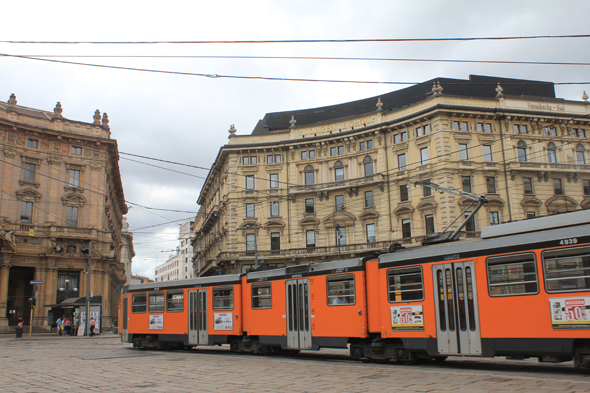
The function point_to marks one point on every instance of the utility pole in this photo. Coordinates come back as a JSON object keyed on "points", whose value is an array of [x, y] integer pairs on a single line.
{"points": [[255, 245], [88, 290], [338, 237]]}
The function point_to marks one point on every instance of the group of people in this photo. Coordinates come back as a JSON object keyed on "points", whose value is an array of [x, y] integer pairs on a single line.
{"points": [[67, 327]]}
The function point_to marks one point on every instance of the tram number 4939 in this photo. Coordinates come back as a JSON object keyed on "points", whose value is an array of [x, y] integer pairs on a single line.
{"points": [[566, 242]]}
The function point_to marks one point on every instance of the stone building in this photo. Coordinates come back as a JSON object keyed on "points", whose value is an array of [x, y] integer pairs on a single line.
{"points": [[61, 192], [179, 265], [338, 182]]}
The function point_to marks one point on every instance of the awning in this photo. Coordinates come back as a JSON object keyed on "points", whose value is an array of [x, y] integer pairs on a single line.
{"points": [[76, 302]]}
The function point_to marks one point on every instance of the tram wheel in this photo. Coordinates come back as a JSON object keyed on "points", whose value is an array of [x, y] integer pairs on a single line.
{"points": [[410, 360]]}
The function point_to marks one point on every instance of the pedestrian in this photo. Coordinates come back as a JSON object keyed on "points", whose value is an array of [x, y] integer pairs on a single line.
{"points": [[68, 324], [92, 325], [19, 328], [58, 324]]}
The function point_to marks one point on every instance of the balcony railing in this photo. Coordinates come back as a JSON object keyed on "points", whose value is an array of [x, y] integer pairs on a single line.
{"points": [[334, 185]]}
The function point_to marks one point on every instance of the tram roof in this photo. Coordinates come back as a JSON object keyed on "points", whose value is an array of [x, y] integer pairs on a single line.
{"points": [[304, 270], [189, 283]]}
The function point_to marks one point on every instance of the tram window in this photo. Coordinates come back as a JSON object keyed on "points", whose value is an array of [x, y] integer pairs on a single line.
{"points": [[261, 296], [567, 270], [340, 290], [157, 302], [405, 284], [512, 275], [174, 301], [223, 298], [139, 303]]}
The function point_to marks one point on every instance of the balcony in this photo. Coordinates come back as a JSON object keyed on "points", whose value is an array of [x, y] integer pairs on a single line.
{"points": [[210, 219], [52, 230], [378, 178]]}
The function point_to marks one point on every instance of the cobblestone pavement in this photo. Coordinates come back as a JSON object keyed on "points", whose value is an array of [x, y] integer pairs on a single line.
{"points": [[47, 363]]}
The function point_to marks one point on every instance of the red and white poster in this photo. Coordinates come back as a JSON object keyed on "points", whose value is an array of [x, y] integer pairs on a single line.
{"points": [[570, 313], [407, 318]]}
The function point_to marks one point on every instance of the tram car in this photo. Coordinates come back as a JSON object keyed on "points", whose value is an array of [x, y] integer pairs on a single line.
{"points": [[521, 290]]}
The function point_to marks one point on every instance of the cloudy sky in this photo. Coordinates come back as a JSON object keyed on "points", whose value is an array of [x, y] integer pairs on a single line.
{"points": [[185, 118]]}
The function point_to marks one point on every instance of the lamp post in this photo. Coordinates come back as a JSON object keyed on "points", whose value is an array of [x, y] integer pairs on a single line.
{"points": [[88, 290]]}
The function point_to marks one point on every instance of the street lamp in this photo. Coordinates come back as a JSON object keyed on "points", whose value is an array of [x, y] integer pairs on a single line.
{"points": [[67, 289]]}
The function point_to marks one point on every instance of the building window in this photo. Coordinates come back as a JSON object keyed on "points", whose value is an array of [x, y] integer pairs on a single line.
{"points": [[261, 296], [74, 178], [403, 193], [491, 184], [223, 298], [29, 172], [32, 143], [368, 163], [406, 228], [464, 126], [512, 275], [249, 182], [557, 187], [340, 233], [250, 242], [470, 226], [424, 157], [361, 146], [340, 289], [269, 159], [521, 151], [277, 158], [466, 180], [339, 170], [250, 210], [309, 206], [401, 162], [487, 153], [157, 302], [523, 129], [530, 215], [579, 132], [309, 175], [138, 303], [479, 127], [310, 239], [311, 154], [72, 216], [488, 127], [586, 185], [175, 301], [274, 209], [275, 241], [456, 126], [369, 144], [429, 223], [370, 228], [340, 150], [405, 284], [426, 191], [418, 132], [369, 199], [403, 136], [551, 153], [274, 180], [26, 212], [304, 155], [332, 151], [494, 218], [580, 155], [77, 151], [520, 129], [463, 152], [528, 185], [339, 200], [552, 131]]}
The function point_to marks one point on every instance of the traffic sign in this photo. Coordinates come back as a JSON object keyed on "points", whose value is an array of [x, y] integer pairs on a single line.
{"points": [[36, 288], [32, 282]]}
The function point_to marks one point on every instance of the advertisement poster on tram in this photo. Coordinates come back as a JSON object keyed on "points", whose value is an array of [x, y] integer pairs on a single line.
{"points": [[570, 313], [157, 322], [223, 321], [407, 318]]}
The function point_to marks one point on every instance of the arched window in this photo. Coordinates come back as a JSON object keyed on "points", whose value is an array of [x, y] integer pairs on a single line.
{"points": [[580, 154], [339, 170], [309, 175], [368, 163], [551, 153], [521, 151]]}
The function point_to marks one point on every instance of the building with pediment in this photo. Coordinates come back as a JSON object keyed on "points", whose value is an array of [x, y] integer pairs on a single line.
{"points": [[338, 182], [61, 192]]}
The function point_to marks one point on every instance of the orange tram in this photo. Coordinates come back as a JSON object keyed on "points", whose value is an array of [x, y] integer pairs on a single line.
{"points": [[520, 290]]}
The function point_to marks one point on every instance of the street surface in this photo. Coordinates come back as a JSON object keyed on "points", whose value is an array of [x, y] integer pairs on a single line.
{"points": [[48, 363]]}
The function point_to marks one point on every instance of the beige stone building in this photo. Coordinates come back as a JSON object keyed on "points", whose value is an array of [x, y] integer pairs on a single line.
{"points": [[337, 182], [61, 190]]}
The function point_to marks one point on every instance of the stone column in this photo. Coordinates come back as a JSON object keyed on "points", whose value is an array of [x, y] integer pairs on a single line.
{"points": [[40, 312], [4, 274]]}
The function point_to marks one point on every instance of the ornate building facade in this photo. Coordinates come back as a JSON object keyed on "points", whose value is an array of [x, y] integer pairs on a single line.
{"points": [[61, 191], [337, 182]]}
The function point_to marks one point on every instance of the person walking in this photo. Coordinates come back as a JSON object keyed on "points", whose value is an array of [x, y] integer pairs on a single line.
{"points": [[19, 328], [68, 325], [58, 324], [92, 325]]}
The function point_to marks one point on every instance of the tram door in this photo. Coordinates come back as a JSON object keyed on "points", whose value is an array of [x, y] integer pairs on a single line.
{"points": [[457, 317], [298, 316], [197, 315], [125, 318]]}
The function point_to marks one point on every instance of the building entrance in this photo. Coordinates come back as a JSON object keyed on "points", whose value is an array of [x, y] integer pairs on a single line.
{"points": [[19, 291]]}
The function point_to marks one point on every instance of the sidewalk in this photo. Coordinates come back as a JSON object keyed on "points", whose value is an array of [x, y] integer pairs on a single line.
{"points": [[50, 336]]}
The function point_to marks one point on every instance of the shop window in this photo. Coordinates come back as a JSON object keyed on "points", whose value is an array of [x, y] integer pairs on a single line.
{"points": [[175, 301], [261, 296], [156, 302], [340, 290], [405, 284], [512, 275], [223, 298], [139, 303]]}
